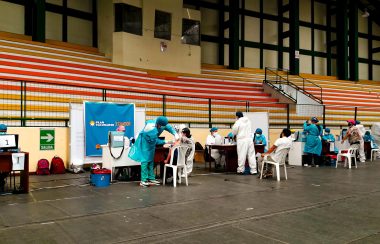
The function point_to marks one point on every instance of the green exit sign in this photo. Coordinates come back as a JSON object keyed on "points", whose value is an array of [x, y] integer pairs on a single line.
{"points": [[47, 139]]}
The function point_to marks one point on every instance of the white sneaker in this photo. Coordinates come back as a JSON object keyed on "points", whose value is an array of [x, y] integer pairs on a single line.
{"points": [[144, 184], [154, 182]]}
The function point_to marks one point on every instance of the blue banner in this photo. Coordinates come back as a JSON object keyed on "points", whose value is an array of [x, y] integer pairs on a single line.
{"points": [[100, 118]]}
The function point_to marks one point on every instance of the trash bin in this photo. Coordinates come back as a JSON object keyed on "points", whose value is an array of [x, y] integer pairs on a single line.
{"points": [[100, 177]]}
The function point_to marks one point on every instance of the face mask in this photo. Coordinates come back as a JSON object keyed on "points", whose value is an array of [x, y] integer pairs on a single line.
{"points": [[327, 133], [257, 135]]}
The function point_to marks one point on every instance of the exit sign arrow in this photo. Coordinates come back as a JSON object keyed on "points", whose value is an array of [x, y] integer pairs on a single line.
{"points": [[48, 137]]}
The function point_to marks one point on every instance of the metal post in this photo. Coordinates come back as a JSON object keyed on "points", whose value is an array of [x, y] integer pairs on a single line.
{"points": [[356, 113], [21, 101], [209, 113], [104, 95], [164, 105], [288, 116]]}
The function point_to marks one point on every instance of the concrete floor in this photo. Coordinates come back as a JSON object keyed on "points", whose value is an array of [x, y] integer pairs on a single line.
{"points": [[315, 205]]}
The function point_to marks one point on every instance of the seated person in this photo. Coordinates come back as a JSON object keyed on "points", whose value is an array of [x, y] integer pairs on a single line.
{"points": [[186, 141], [273, 154], [329, 138], [259, 138], [215, 139], [368, 137]]}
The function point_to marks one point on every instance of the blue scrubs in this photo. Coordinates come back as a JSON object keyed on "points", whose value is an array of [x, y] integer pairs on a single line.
{"points": [[313, 142], [145, 146], [371, 139], [330, 138], [260, 139]]}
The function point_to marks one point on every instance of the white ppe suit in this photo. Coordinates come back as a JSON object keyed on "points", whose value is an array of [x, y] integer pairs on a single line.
{"points": [[245, 148]]}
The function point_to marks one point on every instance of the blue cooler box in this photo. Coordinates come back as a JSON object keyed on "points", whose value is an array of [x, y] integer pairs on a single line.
{"points": [[100, 177]]}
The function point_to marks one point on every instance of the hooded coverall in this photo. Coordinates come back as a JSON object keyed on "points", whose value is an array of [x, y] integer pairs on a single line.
{"points": [[245, 148]]}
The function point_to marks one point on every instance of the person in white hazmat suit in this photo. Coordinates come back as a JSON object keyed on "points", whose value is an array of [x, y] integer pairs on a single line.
{"points": [[242, 129]]}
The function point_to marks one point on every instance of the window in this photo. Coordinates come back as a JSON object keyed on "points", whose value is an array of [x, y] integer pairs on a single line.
{"points": [[190, 32], [128, 18], [162, 25]]}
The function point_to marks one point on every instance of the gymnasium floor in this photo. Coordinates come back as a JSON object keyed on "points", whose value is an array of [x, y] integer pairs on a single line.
{"points": [[315, 205]]}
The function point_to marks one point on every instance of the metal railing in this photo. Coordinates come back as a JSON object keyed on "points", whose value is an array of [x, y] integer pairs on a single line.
{"points": [[281, 77], [25, 103]]}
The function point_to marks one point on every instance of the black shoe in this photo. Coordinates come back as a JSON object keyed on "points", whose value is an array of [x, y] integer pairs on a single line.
{"points": [[240, 173]]}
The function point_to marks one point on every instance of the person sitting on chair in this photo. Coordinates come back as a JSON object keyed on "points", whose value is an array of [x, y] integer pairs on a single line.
{"points": [[368, 137], [185, 141], [273, 154], [215, 139]]}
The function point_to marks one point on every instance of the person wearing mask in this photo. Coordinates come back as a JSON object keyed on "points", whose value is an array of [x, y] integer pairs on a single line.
{"points": [[355, 138], [313, 145], [242, 129], [259, 138], [215, 139], [328, 137], [369, 137], [185, 141], [145, 146], [273, 154]]}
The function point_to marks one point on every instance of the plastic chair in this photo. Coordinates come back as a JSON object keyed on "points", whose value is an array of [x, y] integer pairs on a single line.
{"points": [[283, 153], [18, 161], [374, 153], [181, 164], [351, 153], [190, 158]]}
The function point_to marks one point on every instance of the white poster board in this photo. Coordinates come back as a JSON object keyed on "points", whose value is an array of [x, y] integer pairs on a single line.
{"points": [[259, 120], [77, 153]]}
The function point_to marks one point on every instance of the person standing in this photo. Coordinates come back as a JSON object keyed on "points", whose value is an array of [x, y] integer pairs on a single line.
{"points": [[355, 138], [313, 145], [242, 129], [145, 146]]}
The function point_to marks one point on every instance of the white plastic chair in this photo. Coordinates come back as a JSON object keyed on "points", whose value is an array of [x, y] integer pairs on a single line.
{"points": [[283, 153], [351, 153], [189, 160], [374, 153], [181, 164]]}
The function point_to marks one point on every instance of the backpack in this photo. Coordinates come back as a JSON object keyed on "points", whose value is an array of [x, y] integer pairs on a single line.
{"points": [[57, 166], [43, 167], [198, 146]]}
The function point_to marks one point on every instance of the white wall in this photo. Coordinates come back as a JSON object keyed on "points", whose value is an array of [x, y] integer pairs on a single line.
{"points": [[11, 17]]}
